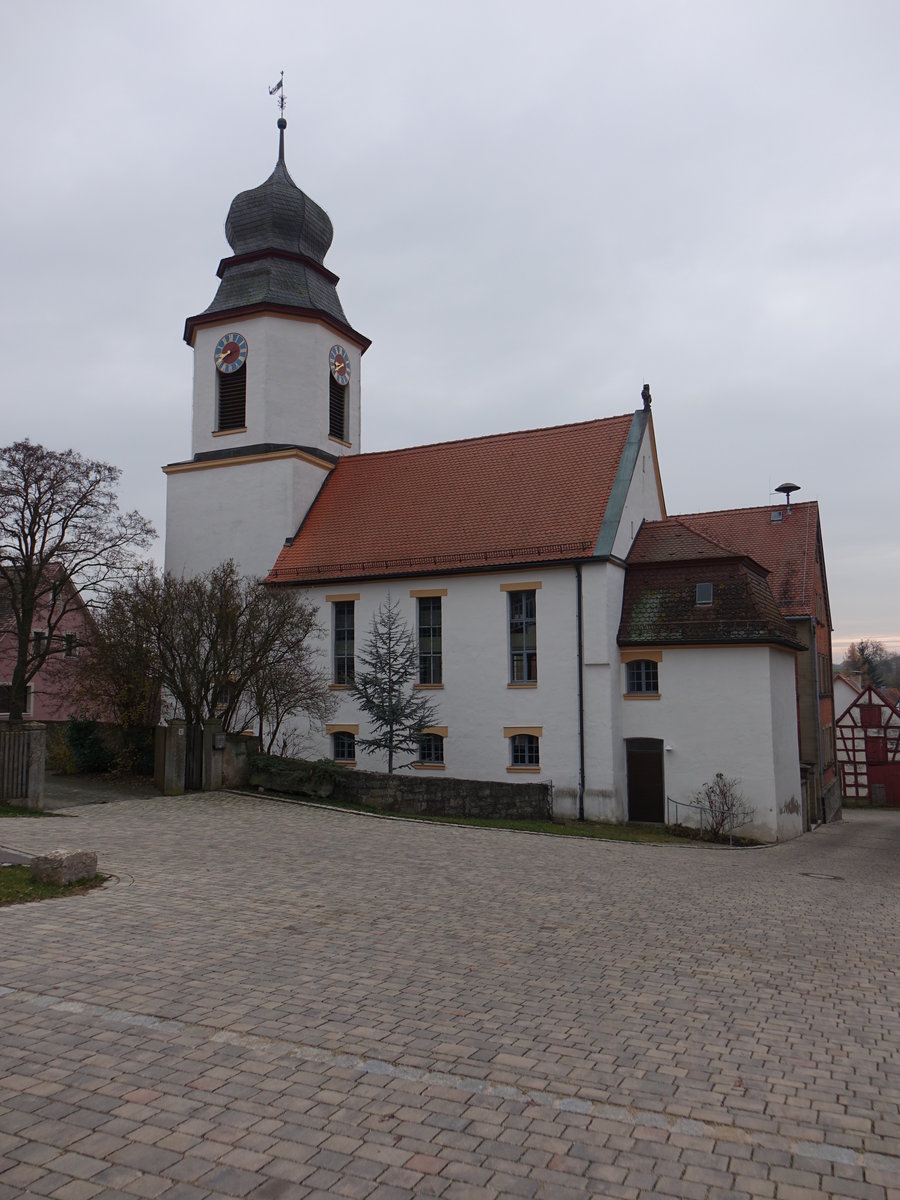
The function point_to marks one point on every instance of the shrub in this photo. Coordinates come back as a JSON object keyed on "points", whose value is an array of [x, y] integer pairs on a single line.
{"points": [[297, 776], [60, 758], [724, 808], [92, 757], [135, 754]]}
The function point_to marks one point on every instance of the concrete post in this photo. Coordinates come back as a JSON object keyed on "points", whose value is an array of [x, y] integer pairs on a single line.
{"points": [[176, 750], [37, 754], [159, 758], [213, 755]]}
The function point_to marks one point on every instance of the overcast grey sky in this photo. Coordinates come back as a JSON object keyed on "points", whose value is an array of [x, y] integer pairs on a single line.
{"points": [[537, 207]]}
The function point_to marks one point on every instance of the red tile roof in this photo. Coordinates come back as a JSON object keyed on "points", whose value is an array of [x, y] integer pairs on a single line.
{"points": [[659, 605], [535, 496], [671, 540], [786, 548]]}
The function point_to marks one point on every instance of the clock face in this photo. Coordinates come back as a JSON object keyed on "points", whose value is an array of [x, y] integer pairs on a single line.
{"points": [[340, 365], [230, 352]]}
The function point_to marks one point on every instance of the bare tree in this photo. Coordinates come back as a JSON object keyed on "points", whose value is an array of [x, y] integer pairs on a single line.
{"points": [[63, 541], [281, 691], [384, 686], [724, 807], [119, 675], [869, 659], [219, 645]]}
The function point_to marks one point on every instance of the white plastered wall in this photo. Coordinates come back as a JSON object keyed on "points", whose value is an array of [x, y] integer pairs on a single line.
{"points": [[604, 766], [605, 783], [844, 695], [728, 709], [785, 745], [642, 502], [236, 510], [287, 385], [476, 702]]}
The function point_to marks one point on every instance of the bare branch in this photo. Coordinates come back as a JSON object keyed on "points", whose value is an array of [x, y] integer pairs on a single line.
{"points": [[61, 534]]}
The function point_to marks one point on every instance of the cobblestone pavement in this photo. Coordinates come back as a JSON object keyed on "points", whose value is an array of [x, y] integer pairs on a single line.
{"points": [[279, 1001]]}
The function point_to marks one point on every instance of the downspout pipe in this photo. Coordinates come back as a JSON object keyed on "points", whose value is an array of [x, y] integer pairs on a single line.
{"points": [[579, 623], [820, 757]]}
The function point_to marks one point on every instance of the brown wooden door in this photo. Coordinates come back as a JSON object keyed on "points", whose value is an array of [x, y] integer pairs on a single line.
{"points": [[646, 782], [884, 784]]}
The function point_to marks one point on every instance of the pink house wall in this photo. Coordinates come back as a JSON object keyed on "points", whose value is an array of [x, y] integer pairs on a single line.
{"points": [[49, 701]]}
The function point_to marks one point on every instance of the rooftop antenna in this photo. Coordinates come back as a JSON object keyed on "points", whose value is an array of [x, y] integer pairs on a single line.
{"points": [[278, 90], [787, 488]]}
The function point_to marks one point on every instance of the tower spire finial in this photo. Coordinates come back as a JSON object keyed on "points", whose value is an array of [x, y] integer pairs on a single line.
{"points": [[282, 123]]}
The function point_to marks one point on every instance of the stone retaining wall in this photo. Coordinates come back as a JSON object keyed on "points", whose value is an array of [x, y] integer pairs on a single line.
{"points": [[424, 794]]}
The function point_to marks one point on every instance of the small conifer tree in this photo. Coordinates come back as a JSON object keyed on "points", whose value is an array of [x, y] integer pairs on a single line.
{"points": [[384, 681]]}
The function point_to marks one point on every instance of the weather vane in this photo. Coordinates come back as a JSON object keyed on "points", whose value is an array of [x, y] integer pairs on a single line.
{"points": [[279, 88]]}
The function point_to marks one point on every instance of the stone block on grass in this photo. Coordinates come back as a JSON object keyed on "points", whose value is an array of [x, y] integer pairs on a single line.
{"points": [[64, 866]]}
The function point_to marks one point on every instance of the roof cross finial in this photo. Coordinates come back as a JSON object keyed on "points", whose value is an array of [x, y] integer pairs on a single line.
{"points": [[282, 123]]}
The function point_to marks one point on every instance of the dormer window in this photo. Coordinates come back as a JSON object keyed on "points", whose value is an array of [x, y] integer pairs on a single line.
{"points": [[704, 593]]}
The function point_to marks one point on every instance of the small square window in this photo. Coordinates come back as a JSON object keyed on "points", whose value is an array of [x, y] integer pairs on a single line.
{"points": [[431, 748], [71, 645], [704, 593], [643, 676], [344, 746], [525, 750], [6, 700], [870, 716]]}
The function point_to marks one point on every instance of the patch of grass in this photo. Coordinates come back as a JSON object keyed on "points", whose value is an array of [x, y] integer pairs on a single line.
{"points": [[603, 831], [13, 810], [16, 886], [692, 834]]}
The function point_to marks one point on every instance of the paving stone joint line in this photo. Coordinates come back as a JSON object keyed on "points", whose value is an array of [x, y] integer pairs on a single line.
{"points": [[628, 1115]]}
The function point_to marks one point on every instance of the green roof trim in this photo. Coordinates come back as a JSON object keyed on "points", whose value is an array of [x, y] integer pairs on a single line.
{"points": [[622, 482]]}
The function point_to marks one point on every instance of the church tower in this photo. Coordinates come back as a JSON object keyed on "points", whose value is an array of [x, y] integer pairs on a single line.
{"points": [[276, 396]]}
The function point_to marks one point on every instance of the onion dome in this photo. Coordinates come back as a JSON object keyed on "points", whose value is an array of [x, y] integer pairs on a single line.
{"points": [[277, 215], [280, 238]]}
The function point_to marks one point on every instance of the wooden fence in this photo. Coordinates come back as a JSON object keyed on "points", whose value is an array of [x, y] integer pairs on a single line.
{"points": [[22, 753]]}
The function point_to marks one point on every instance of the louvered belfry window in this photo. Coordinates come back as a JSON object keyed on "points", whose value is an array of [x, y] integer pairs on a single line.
{"points": [[233, 398], [337, 409]]}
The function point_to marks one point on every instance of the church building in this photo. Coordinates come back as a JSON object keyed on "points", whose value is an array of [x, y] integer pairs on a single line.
{"points": [[525, 563]]}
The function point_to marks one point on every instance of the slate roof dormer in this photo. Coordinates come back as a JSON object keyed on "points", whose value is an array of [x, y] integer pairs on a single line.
{"points": [[280, 238], [787, 547], [659, 606]]}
